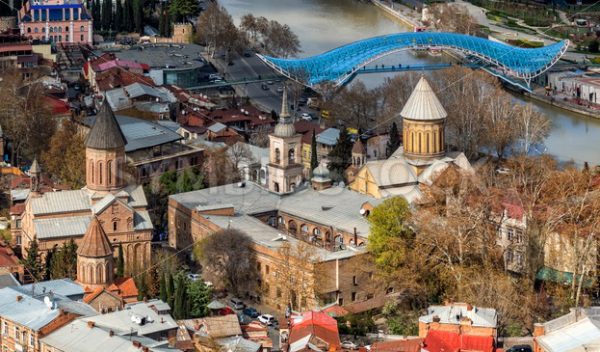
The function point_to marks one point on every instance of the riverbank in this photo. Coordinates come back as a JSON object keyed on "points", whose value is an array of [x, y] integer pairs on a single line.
{"points": [[396, 14], [582, 110]]}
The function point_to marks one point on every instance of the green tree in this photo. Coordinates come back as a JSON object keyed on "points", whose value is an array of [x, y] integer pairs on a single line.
{"points": [[314, 162], [32, 263], [141, 286], [389, 235], [120, 262], [96, 14], [107, 15], [340, 156], [180, 299], [138, 15], [118, 16], [394, 141], [594, 46], [64, 157], [182, 9], [49, 263], [170, 289], [64, 261], [163, 288], [199, 296], [128, 22]]}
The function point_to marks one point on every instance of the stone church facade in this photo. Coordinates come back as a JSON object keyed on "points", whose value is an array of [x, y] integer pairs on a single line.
{"points": [[54, 218]]}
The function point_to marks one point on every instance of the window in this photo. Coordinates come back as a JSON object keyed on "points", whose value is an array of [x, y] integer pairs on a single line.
{"points": [[100, 181], [31, 340], [28, 29], [354, 281], [110, 172], [340, 301], [304, 229], [316, 231], [353, 296], [518, 236], [277, 156], [291, 156], [114, 226], [35, 30], [509, 256], [267, 269], [5, 328], [81, 37], [510, 233], [519, 258], [81, 29], [17, 333]]}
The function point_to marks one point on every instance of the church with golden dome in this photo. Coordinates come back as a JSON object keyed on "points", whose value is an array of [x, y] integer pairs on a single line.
{"points": [[422, 156]]}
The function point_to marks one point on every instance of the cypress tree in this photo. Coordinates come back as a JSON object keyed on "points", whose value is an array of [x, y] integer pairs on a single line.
{"points": [[119, 17], [170, 289], [49, 263], [70, 259], [120, 262], [340, 156], [161, 21], [179, 302], [106, 15], [313, 154], [96, 14], [33, 264], [141, 287], [138, 11], [394, 141], [127, 16], [163, 288]]}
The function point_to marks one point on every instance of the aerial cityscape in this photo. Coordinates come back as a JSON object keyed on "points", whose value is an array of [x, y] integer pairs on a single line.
{"points": [[300, 175]]}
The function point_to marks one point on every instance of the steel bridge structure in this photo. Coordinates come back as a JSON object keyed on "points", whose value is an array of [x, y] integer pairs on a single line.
{"points": [[339, 65]]}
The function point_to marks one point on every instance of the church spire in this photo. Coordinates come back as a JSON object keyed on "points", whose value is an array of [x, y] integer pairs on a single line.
{"points": [[285, 113], [285, 125]]}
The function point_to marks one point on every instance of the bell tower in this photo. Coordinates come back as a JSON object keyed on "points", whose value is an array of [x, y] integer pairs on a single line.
{"points": [[105, 153], [285, 146], [95, 258]]}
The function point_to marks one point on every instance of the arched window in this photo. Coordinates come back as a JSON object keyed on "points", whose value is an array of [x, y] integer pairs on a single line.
{"points": [[304, 229], [50, 29], [28, 29], [277, 156], [59, 29], [316, 231], [427, 140], [81, 29], [35, 30], [412, 142], [91, 176], [328, 236], [420, 146], [100, 179], [115, 225], [440, 136], [109, 171], [291, 156], [292, 227]]}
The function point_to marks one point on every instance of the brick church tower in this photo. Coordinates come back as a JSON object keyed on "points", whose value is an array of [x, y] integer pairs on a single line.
{"points": [[95, 258]]}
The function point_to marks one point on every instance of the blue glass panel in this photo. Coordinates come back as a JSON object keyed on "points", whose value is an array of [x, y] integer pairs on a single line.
{"points": [[56, 15]]}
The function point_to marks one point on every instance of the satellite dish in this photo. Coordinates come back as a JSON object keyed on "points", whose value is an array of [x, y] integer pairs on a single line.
{"points": [[48, 302]]}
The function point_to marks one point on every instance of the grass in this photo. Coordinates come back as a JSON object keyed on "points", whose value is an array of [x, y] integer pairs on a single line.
{"points": [[536, 16], [524, 43], [595, 61]]}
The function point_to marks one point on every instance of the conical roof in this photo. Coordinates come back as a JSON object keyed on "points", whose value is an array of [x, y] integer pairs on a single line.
{"points": [[95, 244], [106, 133], [35, 167], [285, 126], [423, 104], [358, 147]]}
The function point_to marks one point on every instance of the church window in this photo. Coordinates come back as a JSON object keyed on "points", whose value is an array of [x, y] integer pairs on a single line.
{"points": [[100, 180], [292, 156], [316, 231], [110, 172], [115, 225], [420, 146], [412, 142], [277, 155], [427, 140]]}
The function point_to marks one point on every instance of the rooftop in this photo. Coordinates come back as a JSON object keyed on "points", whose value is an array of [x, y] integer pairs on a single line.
{"points": [[329, 136], [453, 313], [64, 287], [105, 132], [423, 104], [25, 310], [171, 56]]}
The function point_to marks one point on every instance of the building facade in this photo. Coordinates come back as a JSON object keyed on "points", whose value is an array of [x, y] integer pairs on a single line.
{"points": [[57, 21]]}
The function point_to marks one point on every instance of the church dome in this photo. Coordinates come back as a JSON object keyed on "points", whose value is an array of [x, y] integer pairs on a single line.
{"points": [[95, 244], [423, 104], [321, 173]]}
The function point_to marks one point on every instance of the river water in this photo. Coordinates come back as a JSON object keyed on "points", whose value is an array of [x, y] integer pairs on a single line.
{"points": [[322, 25]]}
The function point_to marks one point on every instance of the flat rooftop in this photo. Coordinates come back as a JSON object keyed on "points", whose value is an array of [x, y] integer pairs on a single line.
{"points": [[165, 56]]}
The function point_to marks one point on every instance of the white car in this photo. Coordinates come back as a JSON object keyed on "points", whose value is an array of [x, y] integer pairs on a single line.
{"points": [[349, 345], [267, 319], [193, 277], [237, 304], [306, 116]]}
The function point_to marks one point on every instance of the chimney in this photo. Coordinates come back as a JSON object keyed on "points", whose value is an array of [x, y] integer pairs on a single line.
{"points": [[355, 237], [145, 349], [19, 298], [538, 329], [469, 307], [111, 333], [137, 344], [90, 324]]}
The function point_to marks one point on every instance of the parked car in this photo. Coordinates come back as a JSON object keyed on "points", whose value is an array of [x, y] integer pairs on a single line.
{"points": [[214, 76], [349, 345], [251, 312], [264, 87], [267, 319], [247, 53], [306, 116], [237, 304], [279, 89], [194, 277], [520, 348], [270, 83]]}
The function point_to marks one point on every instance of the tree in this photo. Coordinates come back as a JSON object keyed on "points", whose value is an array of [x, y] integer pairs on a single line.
{"points": [[532, 128], [228, 260], [49, 260], [314, 162], [218, 168], [138, 15], [25, 117], [180, 297], [199, 296], [163, 288], [217, 30], [389, 235], [120, 262], [454, 18], [394, 142], [65, 157], [97, 14], [64, 262], [128, 21], [181, 10], [239, 152], [141, 286], [340, 156], [32, 262], [281, 41], [248, 23], [170, 289], [118, 16], [356, 106], [107, 15], [298, 276]]}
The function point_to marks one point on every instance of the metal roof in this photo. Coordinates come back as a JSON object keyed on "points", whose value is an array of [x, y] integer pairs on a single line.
{"points": [[583, 335], [64, 287], [61, 202], [329, 136], [142, 221], [61, 227], [423, 104], [28, 311], [339, 64], [140, 133], [453, 313], [217, 127], [8, 280]]}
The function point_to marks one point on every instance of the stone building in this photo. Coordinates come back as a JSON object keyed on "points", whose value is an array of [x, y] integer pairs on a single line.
{"points": [[460, 318], [285, 165], [53, 218]]}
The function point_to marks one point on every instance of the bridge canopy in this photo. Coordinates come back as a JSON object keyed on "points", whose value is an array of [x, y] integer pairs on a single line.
{"points": [[338, 65]]}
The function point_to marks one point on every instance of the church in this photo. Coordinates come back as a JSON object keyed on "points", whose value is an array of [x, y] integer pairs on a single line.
{"points": [[107, 203], [419, 160]]}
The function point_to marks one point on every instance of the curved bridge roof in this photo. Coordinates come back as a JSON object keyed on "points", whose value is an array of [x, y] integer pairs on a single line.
{"points": [[339, 64]]}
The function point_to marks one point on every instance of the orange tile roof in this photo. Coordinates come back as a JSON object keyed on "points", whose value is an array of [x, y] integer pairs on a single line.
{"points": [[125, 287], [7, 256]]}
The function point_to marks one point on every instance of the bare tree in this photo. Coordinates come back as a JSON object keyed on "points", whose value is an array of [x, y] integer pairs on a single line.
{"points": [[239, 152], [356, 106], [218, 168], [229, 260], [532, 128], [453, 18], [217, 30]]}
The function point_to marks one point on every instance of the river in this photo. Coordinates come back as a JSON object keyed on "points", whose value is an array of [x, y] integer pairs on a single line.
{"points": [[322, 25]]}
